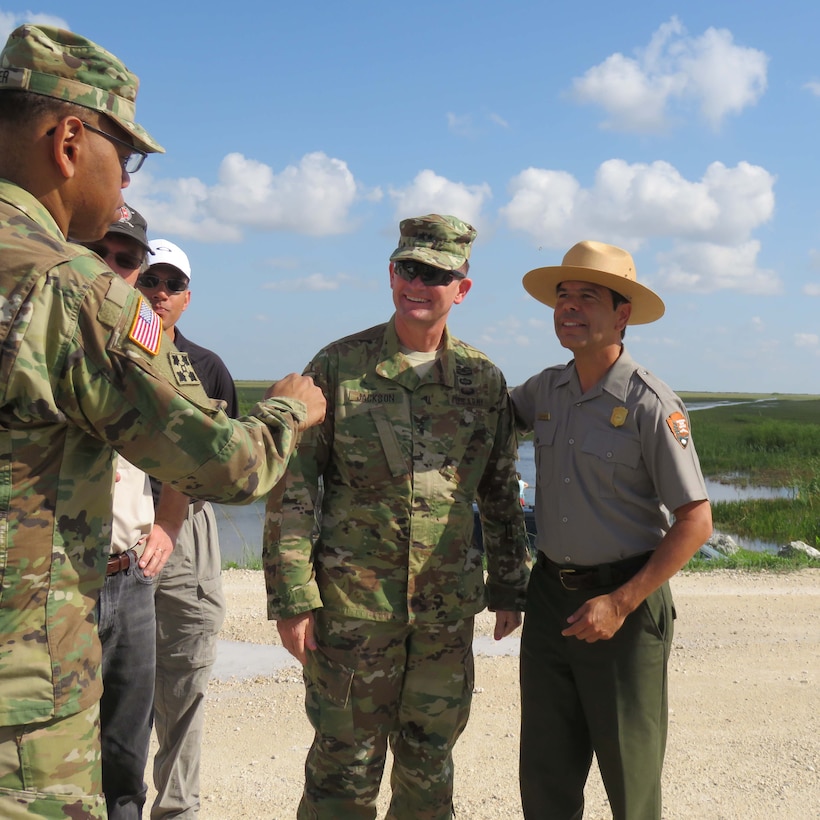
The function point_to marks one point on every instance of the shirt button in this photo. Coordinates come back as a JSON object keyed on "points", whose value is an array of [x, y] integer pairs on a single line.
{"points": [[572, 441], [564, 519], [609, 455], [567, 558], [566, 481]]}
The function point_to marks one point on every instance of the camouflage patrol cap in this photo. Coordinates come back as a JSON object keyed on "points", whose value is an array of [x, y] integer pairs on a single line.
{"points": [[57, 63], [441, 241]]}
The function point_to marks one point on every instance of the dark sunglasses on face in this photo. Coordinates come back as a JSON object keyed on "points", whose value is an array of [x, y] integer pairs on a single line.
{"points": [[122, 258], [428, 274], [172, 285]]}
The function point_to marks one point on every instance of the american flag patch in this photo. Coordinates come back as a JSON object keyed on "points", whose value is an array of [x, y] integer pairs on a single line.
{"points": [[146, 331]]}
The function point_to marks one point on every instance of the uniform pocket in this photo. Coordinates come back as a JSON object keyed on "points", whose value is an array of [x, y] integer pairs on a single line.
{"points": [[328, 690]]}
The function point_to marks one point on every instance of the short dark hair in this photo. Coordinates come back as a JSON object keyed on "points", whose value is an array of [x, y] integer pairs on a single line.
{"points": [[23, 107]]}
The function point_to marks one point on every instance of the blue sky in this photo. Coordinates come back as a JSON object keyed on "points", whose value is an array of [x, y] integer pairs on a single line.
{"points": [[299, 135]]}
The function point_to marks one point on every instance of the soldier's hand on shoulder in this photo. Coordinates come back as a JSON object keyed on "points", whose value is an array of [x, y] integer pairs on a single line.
{"points": [[294, 386]]}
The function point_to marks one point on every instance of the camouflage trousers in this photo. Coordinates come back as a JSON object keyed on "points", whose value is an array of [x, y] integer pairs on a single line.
{"points": [[52, 770], [372, 683]]}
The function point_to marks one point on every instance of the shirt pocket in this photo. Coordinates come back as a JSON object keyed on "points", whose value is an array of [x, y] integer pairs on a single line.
{"points": [[368, 452], [614, 459], [543, 444]]}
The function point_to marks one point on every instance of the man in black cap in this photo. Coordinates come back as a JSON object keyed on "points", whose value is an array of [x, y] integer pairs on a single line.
{"points": [[125, 610]]}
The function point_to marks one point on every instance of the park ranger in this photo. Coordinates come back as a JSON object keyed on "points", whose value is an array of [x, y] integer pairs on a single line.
{"points": [[380, 610], [85, 369]]}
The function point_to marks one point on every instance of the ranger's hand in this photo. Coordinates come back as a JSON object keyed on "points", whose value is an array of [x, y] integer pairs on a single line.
{"points": [[294, 386]]}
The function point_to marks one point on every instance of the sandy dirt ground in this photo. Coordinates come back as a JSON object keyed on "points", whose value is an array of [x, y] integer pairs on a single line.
{"points": [[744, 717]]}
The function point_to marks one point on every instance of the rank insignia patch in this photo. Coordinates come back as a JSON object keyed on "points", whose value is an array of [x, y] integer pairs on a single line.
{"points": [[618, 416], [182, 368], [680, 428], [146, 329]]}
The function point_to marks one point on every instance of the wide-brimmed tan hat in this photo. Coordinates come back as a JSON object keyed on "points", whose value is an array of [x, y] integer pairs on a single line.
{"points": [[600, 264]]}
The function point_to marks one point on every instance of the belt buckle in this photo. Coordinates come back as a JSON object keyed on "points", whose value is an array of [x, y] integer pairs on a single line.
{"points": [[562, 574]]}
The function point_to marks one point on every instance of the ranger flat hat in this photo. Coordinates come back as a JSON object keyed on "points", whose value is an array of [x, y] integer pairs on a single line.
{"points": [[57, 63], [441, 241], [600, 264]]}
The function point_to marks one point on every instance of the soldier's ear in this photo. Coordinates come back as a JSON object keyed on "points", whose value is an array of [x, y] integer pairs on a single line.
{"points": [[67, 142]]}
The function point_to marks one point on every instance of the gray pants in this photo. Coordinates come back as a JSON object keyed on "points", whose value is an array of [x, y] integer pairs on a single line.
{"points": [[190, 609]]}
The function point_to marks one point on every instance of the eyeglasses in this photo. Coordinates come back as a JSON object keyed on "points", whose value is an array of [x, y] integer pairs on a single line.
{"points": [[173, 285], [428, 274], [130, 163], [122, 258]]}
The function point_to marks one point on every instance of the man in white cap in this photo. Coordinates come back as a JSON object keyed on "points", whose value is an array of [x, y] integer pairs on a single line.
{"points": [[188, 597], [614, 453]]}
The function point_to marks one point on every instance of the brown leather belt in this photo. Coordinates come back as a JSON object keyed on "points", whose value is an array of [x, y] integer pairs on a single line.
{"points": [[119, 562], [574, 578]]}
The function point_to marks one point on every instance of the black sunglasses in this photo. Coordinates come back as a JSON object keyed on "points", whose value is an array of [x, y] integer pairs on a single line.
{"points": [[122, 258], [172, 285], [429, 275]]}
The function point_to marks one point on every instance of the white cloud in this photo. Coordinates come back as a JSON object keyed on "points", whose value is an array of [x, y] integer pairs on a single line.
{"points": [[710, 221], [312, 198], [811, 289], [672, 74], [810, 340], [707, 267], [499, 120], [313, 283], [630, 203], [10, 20], [460, 124], [431, 193], [813, 86]]}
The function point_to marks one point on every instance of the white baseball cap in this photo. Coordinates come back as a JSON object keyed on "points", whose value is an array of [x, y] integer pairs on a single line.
{"points": [[165, 252]]}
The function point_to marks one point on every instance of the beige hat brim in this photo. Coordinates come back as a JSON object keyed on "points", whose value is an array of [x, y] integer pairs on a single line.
{"points": [[541, 283]]}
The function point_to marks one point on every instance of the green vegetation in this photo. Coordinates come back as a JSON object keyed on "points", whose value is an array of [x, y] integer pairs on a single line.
{"points": [[772, 442], [751, 561], [249, 393]]}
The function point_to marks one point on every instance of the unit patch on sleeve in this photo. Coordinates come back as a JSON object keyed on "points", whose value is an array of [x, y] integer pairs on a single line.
{"points": [[146, 329], [182, 368], [679, 427]]}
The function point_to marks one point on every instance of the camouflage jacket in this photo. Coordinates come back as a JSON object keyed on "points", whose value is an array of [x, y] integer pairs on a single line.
{"points": [[400, 460], [74, 383]]}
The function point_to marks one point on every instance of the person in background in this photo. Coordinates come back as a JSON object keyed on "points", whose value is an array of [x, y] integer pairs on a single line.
{"points": [[125, 610], [85, 371], [189, 602], [379, 608], [614, 453]]}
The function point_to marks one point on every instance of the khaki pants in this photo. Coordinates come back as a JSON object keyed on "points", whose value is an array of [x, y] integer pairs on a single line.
{"points": [[190, 609]]}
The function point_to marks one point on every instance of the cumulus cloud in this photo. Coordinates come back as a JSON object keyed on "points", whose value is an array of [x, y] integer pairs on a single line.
{"points": [[710, 221], [313, 198], [672, 74], [629, 203], [431, 193], [10, 20], [706, 267]]}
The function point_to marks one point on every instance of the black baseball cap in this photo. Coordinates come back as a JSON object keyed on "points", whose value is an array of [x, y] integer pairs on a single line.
{"points": [[131, 223]]}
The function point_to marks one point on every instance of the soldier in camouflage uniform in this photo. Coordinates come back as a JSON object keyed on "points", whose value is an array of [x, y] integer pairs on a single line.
{"points": [[84, 369], [380, 609]]}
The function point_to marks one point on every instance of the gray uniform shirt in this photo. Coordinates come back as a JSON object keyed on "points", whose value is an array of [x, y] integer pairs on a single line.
{"points": [[609, 463]]}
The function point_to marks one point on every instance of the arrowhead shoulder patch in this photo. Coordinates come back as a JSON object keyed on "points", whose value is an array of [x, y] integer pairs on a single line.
{"points": [[680, 428]]}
